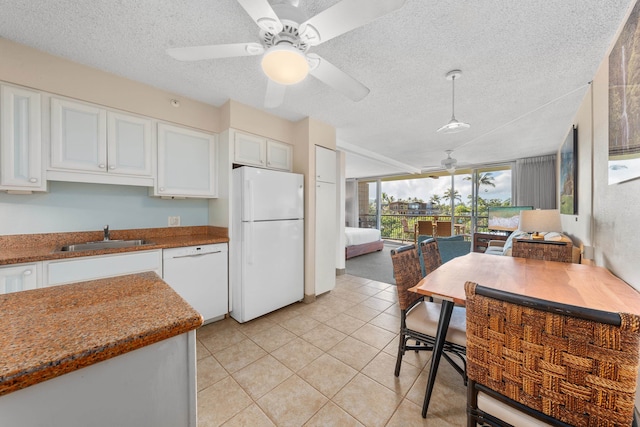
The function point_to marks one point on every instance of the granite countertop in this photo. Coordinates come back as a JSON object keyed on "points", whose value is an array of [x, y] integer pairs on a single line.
{"points": [[21, 248], [49, 332]]}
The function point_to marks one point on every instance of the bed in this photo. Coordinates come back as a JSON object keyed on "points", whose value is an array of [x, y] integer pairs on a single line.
{"points": [[360, 241]]}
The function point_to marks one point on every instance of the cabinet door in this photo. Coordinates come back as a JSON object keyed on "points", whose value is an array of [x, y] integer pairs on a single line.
{"points": [[17, 278], [20, 141], [325, 164], [249, 150], [186, 163], [78, 136], [129, 144], [326, 225], [279, 155]]}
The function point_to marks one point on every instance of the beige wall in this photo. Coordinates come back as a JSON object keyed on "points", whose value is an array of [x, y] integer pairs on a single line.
{"points": [[32, 68], [608, 215]]}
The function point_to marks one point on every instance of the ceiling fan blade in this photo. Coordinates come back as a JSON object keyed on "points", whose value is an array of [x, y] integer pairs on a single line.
{"points": [[263, 15], [197, 53], [275, 94], [344, 16], [334, 77]]}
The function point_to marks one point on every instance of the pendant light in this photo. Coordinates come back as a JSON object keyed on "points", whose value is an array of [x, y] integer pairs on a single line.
{"points": [[454, 125]]}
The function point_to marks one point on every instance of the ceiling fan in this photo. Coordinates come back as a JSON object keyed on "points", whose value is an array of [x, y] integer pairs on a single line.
{"points": [[286, 35], [449, 164]]}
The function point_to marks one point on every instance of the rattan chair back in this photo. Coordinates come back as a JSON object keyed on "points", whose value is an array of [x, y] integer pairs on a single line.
{"points": [[443, 228], [407, 272], [430, 255], [425, 228], [568, 363]]}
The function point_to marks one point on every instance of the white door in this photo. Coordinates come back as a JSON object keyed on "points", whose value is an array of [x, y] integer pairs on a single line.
{"points": [[21, 140], [186, 163], [325, 164], [78, 136], [18, 278], [326, 235], [129, 144], [271, 195], [272, 266]]}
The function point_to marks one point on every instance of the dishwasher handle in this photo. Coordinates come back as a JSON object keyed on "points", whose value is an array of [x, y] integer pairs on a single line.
{"points": [[195, 255]]}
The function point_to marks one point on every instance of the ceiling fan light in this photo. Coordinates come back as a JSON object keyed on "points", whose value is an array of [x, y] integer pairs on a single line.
{"points": [[285, 65], [454, 126]]}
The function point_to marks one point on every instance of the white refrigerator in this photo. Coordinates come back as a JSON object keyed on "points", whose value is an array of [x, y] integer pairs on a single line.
{"points": [[267, 241]]}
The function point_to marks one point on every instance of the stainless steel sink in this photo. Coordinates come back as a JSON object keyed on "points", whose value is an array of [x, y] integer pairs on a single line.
{"points": [[104, 244]]}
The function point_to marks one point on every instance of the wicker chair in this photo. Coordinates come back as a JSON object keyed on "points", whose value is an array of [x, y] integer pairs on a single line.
{"points": [[419, 318], [406, 230], [559, 364], [425, 228]]}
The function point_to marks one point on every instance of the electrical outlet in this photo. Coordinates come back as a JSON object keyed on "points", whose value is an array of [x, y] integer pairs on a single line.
{"points": [[174, 221]]}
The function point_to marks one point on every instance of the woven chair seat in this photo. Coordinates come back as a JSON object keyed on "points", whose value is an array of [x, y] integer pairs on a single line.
{"points": [[424, 318]]}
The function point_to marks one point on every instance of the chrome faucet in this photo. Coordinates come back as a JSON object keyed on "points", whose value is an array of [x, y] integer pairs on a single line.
{"points": [[106, 233]]}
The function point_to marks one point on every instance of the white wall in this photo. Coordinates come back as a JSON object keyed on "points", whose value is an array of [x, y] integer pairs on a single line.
{"points": [[72, 206], [608, 215]]}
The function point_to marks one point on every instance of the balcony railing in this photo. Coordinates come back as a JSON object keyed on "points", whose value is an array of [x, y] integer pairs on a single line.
{"points": [[391, 225]]}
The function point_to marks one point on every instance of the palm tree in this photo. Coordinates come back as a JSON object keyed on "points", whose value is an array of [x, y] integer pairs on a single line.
{"points": [[485, 178], [448, 195], [435, 200]]}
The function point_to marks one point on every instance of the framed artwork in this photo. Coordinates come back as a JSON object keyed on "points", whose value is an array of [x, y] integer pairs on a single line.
{"points": [[624, 103], [569, 174]]}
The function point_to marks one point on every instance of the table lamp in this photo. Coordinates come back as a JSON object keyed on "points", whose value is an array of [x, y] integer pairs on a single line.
{"points": [[540, 221]]}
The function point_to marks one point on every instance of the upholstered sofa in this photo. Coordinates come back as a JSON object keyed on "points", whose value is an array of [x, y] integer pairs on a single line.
{"points": [[500, 247]]}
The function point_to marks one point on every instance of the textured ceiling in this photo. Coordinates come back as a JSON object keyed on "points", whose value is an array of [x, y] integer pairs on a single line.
{"points": [[526, 67]]}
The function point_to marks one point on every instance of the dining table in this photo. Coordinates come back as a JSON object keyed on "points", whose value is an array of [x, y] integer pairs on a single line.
{"points": [[586, 286]]}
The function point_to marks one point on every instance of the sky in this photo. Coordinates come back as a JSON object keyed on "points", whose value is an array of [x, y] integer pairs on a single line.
{"points": [[424, 188]]}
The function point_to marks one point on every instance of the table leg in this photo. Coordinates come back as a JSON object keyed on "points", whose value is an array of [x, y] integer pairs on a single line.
{"points": [[441, 335]]}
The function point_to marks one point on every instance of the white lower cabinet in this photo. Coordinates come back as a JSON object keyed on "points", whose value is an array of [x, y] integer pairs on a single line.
{"points": [[60, 272], [153, 386], [20, 277]]}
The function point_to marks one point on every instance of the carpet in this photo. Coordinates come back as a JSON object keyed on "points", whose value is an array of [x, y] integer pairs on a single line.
{"points": [[375, 266]]}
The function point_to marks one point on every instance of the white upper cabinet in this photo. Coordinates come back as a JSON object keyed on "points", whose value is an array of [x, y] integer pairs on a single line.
{"points": [[128, 144], [186, 163], [107, 146], [21, 167], [325, 164], [78, 136], [250, 150], [279, 155], [253, 150]]}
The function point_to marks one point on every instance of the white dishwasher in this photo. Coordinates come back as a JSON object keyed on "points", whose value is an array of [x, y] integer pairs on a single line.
{"points": [[199, 274]]}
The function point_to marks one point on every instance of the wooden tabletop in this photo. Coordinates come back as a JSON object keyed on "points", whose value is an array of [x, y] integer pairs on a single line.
{"points": [[574, 284]]}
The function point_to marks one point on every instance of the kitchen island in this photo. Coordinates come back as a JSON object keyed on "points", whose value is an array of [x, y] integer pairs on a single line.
{"points": [[117, 351]]}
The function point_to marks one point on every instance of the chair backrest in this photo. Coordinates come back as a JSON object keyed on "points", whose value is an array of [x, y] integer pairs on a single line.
{"points": [[407, 272], [430, 255], [443, 228], [425, 228], [405, 225], [547, 251], [572, 364]]}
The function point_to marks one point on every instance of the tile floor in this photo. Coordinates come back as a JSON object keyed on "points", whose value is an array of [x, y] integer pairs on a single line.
{"points": [[329, 363]]}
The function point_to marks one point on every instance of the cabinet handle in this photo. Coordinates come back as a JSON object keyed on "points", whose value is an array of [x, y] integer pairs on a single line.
{"points": [[27, 273], [112, 167], [33, 180], [101, 166]]}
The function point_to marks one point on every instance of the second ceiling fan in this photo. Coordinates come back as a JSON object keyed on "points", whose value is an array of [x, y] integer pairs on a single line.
{"points": [[286, 35]]}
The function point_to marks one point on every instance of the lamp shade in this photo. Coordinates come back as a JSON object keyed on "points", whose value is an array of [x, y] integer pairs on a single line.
{"points": [[285, 64], [540, 220]]}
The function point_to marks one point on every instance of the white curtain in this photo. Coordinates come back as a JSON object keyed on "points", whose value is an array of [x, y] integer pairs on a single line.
{"points": [[536, 182]]}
